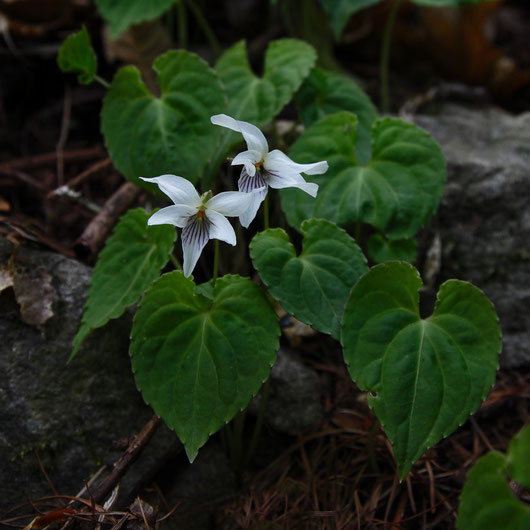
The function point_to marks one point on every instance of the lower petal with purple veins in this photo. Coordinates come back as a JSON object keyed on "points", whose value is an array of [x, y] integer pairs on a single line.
{"points": [[194, 237], [258, 187]]}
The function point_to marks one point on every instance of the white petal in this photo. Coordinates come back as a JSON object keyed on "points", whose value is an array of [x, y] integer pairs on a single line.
{"points": [[258, 188], [229, 203], [248, 183], [248, 159], [220, 227], [178, 189], [248, 216], [276, 161], [290, 180], [252, 135], [172, 215], [194, 236]]}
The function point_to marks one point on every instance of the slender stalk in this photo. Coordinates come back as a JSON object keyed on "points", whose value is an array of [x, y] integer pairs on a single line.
{"points": [[102, 81], [215, 262], [236, 445], [175, 262], [203, 23], [183, 24], [385, 57], [266, 212], [265, 392]]}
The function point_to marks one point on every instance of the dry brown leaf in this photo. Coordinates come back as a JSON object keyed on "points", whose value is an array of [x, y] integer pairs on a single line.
{"points": [[6, 280], [293, 329], [4, 205], [34, 294]]}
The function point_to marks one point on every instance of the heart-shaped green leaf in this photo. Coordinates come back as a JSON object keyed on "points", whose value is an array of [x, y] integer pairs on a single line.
{"points": [[258, 99], [132, 258], [340, 11], [487, 502], [427, 376], [149, 136], [325, 93], [397, 191], [314, 286], [381, 249], [197, 359], [77, 55], [120, 15]]}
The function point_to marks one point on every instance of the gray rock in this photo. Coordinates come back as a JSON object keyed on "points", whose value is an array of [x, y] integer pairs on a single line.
{"points": [[484, 216], [295, 397], [70, 413], [200, 488]]}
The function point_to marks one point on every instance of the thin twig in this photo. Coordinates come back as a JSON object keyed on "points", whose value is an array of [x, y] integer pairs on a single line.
{"points": [[51, 158], [125, 461], [63, 137], [97, 230], [91, 170]]}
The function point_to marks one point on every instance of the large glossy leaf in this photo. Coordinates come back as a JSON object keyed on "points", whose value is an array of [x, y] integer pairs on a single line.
{"points": [[340, 11], [77, 55], [315, 285], [397, 191], [487, 502], [149, 136], [258, 99], [325, 93], [119, 15], [132, 258], [425, 376], [199, 355]]}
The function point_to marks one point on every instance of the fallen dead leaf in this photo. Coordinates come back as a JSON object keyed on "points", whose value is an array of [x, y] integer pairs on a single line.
{"points": [[4, 205], [34, 294], [6, 280]]}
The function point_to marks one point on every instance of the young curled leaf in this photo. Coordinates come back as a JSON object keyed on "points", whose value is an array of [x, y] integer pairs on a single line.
{"points": [[77, 55]]}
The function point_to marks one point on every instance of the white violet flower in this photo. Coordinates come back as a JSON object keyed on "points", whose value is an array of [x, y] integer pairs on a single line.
{"points": [[263, 168], [200, 217]]}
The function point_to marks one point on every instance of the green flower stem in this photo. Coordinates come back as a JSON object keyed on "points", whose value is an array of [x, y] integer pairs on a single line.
{"points": [[215, 262], [385, 57], [203, 23], [265, 392], [101, 81], [175, 262], [183, 24], [266, 212]]}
